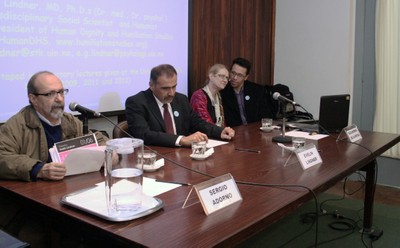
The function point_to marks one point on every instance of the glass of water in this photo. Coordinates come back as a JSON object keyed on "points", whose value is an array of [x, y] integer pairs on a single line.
{"points": [[298, 142], [149, 158], [199, 148], [123, 175]]}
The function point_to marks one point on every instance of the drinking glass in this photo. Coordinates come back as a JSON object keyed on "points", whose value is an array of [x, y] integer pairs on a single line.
{"points": [[123, 174]]}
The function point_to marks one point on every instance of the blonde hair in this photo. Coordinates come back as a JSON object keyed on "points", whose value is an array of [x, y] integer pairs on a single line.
{"points": [[214, 69]]}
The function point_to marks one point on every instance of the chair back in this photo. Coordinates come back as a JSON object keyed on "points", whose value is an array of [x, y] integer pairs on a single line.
{"points": [[118, 133]]}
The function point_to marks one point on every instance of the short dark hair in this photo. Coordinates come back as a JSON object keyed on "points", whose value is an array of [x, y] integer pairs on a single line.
{"points": [[164, 69], [243, 63]]}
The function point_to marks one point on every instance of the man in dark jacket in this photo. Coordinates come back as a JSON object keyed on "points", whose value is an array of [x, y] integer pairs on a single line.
{"points": [[146, 111], [244, 101]]}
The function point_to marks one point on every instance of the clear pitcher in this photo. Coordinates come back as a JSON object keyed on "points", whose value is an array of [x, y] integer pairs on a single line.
{"points": [[123, 175]]}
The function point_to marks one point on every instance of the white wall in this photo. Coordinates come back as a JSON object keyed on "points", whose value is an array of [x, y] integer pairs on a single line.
{"points": [[314, 47]]}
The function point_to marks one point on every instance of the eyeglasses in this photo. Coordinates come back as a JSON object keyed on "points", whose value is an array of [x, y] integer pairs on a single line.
{"points": [[235, 74], [223, 77], [53, 94]]}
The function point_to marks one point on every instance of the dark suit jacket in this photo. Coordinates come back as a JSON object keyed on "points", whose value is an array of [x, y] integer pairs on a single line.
{"points": [[255, 104], [146, 122]]}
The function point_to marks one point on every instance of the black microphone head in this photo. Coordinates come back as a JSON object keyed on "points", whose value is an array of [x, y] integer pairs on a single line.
{"points": [[276, 95], [72, 106]]}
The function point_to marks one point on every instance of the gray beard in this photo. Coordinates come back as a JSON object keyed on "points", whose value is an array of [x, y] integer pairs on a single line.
{"points": [[57, 114]]}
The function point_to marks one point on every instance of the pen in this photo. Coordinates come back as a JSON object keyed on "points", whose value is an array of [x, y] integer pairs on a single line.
{"points": [[247, 150], [163, 181]]}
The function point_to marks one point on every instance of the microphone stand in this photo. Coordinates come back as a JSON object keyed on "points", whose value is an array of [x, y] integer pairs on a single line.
{"points": [[85, 122], [282, 138]]}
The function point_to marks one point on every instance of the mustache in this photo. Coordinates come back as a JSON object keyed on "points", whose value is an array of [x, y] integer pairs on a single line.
{"points": [[57, 105]]}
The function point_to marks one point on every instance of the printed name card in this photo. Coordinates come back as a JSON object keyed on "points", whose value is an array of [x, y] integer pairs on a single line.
{"points": [[352, 133], [218, 193], [308, 156]]}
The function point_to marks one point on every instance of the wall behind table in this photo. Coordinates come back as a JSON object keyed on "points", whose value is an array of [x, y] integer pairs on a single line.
{"points": [[314, 46], [327, 47], [224, 30]]}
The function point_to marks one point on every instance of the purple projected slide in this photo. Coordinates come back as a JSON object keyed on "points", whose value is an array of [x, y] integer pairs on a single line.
{"points": [[102, 50]]}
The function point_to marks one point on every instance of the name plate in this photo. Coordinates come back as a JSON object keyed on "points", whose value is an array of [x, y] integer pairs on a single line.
{"points": [[308, 156], [217, 193], [353, 134]]}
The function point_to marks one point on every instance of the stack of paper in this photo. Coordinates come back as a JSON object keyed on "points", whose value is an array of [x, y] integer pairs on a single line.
{"points": [[80, 155]]}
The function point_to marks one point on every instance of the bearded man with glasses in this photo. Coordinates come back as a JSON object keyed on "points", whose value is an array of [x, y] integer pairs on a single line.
{"points": [[25, 140], [244, 101], [26, 137]]}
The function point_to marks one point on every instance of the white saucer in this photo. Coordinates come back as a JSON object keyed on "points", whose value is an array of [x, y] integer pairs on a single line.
{"points": [[267, 130], [290, 148], [148, 168], [207, 154], [199, 157], [157, 165]]}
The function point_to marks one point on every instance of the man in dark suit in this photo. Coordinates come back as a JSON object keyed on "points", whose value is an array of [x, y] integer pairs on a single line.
{"points": [[244, 101], [145, 114]]}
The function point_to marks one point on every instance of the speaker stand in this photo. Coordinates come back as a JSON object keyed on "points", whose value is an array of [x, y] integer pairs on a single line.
{"points": [[282, 138]]}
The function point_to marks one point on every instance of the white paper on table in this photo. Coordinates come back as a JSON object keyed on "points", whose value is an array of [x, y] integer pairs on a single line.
{"points": [[95, 196], [94, 200], [213, 143], [306, 135], [83, 160], [152, 188]]}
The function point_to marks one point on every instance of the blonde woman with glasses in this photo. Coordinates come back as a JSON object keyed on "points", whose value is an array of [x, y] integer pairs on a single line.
{"points": [[206, 102]]}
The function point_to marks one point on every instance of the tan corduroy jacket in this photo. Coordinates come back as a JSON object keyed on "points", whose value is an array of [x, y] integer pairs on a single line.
{"points": [[23, 142]]}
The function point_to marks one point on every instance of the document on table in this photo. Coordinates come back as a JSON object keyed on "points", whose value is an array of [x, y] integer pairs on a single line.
{"points": [[93, 200], [305, 135], [150, 187], [213, 143]]}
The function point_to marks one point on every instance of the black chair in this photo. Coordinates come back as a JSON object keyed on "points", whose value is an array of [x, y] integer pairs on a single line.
{"points": [[117, 131]]}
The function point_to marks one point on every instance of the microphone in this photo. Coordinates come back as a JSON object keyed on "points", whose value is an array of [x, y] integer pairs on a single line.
{"points": [[130, 136], [278, 96], [282, 138], [74, 106]]}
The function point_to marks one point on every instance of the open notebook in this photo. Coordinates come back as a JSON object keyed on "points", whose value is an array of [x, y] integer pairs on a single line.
{"points": [[333, 115]]}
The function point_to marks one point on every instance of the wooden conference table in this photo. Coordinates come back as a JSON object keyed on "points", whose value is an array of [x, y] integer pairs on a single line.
{"points": [[174, 226]]}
